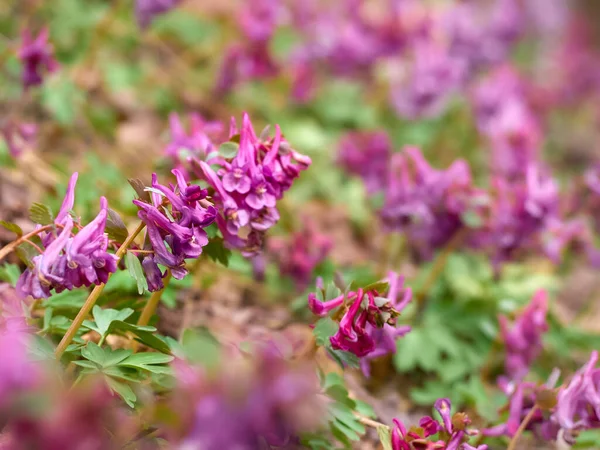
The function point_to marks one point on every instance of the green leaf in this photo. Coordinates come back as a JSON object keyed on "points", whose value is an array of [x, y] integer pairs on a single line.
{"points": [[40, 348], [136, 271], [10, 273], [199, 346], [40, 213], [229, 149], [122, 389], [105, 317], [379, 286], [62, 98], [385, 437], [115, 227], [12, 227], [216, 250], [144, 334], [151, 362], [324, 329], [94, 353], [104, 357]]}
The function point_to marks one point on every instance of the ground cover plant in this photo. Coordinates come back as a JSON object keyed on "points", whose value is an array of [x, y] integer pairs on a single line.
{"points": [[355, 224]]}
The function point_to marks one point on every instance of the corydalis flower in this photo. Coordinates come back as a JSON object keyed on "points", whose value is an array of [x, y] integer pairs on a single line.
{"points": [[198, 142], [429, 84], [520, 213], [18, 372], [264, 400], [248, 185], [18, 136], [368, 323], [70, 261], [386, 336], [523, 340], [177, 216], [147, 10], [425, 203], [449, 434], [578, 403], [298, 257], [37, 57], [367, 155]]}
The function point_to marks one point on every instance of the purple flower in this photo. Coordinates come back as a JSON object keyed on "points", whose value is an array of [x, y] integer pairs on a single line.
{"points": [[578, 403], [520, 213], [523, 340], [147, 10], [259, 19], [368, 325], [247, 186], [70, 261], [18, 136], [179, 222], [386, 336], [453, 432], [198, 142], [18, 373], [432, 79], [37, 57], [244, 62], [299, 256], [425, 203], [367, 155], [263, 399]]}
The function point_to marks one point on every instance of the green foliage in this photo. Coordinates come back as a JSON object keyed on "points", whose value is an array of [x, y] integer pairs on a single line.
{"points": [[11, 227], [41, 214], [216, 250], [10, 273], [136, 271], [122, 365]]}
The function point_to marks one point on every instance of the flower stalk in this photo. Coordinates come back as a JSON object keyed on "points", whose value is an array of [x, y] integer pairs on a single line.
{"points": [[151, 305], [92, 298], [10, 247], [515, 439]]}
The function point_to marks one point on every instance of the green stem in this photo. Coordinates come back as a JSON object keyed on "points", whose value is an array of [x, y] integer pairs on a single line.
{"points": [[152, 304], [92, 298], [513, 442], [4, 251]]}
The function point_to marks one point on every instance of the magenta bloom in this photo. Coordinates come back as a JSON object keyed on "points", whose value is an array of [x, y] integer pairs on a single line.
{"points": [[386, 336], [453, 432], [578, 403], [523, 340], [18, 136], [520, 213], [368, 326], [18, 373], [198, 142], [147, 10], [181, 226], [301, 254], [70, 260], [367, 155], [265, 401], [248, 185], [433, 78], [37, 57], [425, 203]]}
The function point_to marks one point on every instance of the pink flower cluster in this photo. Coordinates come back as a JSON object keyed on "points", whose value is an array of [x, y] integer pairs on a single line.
{"points": [[368, 320], [70, 261], [248, 185], [449, 434]]}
